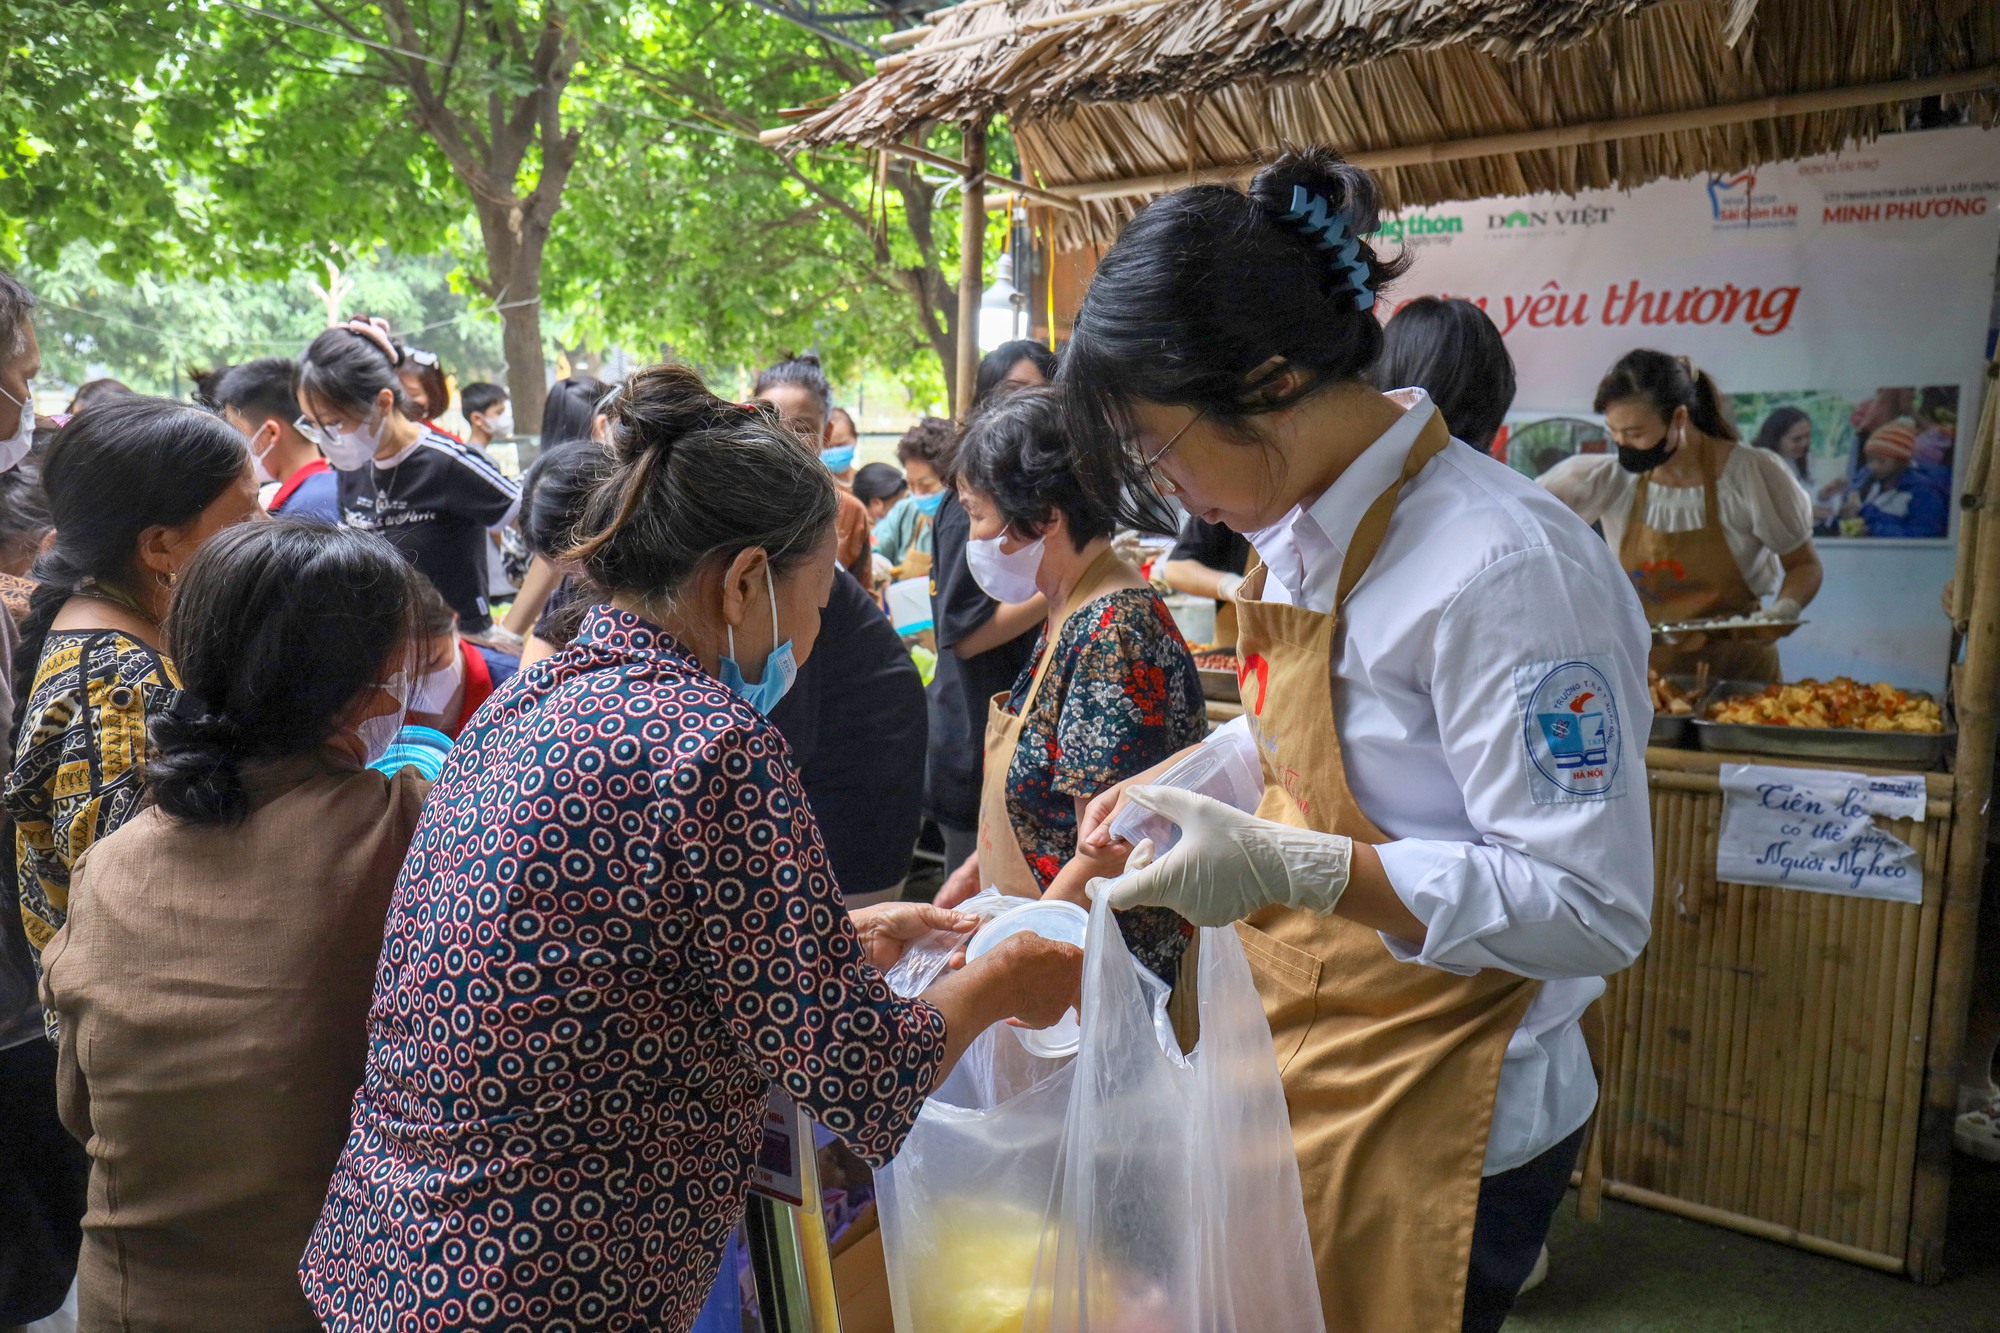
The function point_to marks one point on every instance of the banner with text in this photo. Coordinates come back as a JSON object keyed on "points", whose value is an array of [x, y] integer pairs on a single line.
{"points": [[1813, 828], [1831, 297]]}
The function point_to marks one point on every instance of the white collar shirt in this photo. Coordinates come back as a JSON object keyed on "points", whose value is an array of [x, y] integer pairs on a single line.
{"points": [[1487, 599]]}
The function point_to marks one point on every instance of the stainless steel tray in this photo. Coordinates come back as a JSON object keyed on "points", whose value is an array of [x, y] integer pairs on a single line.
{"points": [[1926, 749], [1676, 731], [1220, 686]]}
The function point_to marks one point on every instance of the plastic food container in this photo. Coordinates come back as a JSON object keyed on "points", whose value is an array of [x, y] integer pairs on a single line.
{"points": [[1220, 770], [910, 605], [1052, 919]]}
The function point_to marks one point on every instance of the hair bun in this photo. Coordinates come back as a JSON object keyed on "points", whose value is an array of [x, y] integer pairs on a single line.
{"points": [[1348, 191], [660, 405]]}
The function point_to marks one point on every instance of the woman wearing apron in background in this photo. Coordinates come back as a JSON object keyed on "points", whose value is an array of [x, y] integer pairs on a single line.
{"points": [[1444, 682], [1704, 527], [1110, 691]]}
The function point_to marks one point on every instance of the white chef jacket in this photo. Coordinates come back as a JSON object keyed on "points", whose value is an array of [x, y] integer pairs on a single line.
{"points": [[1485, 587]]}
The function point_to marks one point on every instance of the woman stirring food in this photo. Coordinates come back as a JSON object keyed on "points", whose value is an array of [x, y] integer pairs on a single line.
{"points": [[1444, 681], [1705, 527]]}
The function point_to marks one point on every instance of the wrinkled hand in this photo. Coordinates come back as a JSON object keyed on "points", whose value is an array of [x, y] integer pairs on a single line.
{"points": [[887, 929], [959, 885], [1228, 864], [1043, 977]]}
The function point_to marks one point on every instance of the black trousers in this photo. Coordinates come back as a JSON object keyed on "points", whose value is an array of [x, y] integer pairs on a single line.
{"points": [[44, 1174], [1515, 1210]]}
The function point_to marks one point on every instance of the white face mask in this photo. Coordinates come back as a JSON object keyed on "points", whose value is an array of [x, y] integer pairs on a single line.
{"points": [[378, 733], [500, 424], [435, 689], [349, 448], [15, 447], [1004, 576], [257, 457]]}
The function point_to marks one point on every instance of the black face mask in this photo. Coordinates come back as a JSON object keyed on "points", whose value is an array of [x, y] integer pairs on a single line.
{"points": [[1644, 460]]}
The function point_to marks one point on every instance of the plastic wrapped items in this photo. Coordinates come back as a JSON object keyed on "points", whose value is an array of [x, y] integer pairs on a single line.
{"points": [[1220, 768], [1127, 1190]]}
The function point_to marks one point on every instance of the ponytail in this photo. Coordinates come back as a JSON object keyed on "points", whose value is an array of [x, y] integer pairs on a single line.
{"points": [[196, 771], [1667, 383]]}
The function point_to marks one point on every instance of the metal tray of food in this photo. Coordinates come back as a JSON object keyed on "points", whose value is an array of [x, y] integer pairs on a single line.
{"points": [[1926, 749], [1218, 683], [1761, 628], [1677, 729]]}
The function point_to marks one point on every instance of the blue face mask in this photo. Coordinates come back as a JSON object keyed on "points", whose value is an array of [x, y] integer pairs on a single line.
{"points": [[781, 668], [838, 459], [927, 505]]}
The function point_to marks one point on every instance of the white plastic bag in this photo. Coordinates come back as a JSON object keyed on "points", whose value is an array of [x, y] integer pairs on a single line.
{"points": [[1129, 1190]]}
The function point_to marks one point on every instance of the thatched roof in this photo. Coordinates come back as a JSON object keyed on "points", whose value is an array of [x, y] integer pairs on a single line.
{"points": [[1144, 96]]}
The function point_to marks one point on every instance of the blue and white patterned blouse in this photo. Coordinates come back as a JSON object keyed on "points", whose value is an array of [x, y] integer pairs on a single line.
{"points": [[615, 930]]}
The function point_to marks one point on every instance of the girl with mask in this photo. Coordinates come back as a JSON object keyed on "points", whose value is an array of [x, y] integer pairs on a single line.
{"points": [[1110, 689], [797, 387], [434, 498], [135, 487], [212, 980], [619, 872], [903, 533], [1444, 689], [1703, 526]]}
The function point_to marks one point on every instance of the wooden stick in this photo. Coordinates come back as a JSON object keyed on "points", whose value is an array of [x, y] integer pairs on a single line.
{"points": [[1977, 685], [1571, 136], [1753, 1226], [971, 263], [773, 137]]}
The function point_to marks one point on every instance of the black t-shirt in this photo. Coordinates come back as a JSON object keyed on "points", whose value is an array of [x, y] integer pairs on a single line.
{"points": [[1212, 544], [855, 721], [435, 503], [961, 688]]}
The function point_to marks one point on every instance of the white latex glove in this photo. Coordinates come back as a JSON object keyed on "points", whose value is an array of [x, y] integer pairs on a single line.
{"points": [[1228, 864], [1227, 587], [1125, 545], [1783, 609]]}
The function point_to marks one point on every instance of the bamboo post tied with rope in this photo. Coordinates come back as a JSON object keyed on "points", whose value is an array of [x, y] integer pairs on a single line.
{"points": [[971, 263]]}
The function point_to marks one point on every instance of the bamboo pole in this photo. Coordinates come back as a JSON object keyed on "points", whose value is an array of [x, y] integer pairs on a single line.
{"points": [[971, 262], [1978, 683], [1753, 1226], [1969, 510], [1571, 136], [1921, 984]]}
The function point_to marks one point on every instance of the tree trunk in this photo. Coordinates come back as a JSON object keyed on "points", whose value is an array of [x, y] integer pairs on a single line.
{"points": [[527, 378], [514, 284]]}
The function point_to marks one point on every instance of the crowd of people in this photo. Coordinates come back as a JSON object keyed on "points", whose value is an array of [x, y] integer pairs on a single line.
{"points": [[426, 874]]}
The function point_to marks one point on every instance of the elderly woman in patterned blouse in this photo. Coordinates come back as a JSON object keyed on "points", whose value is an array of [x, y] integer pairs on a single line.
{"points": [[616, 930], [1110, 691]]}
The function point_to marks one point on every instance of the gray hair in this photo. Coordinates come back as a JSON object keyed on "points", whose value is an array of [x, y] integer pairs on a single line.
{"points": [[16, 303]]}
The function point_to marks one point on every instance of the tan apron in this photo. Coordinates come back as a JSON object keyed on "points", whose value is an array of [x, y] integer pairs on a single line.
{"points": [[1693, 574], [1390, 1068], [1001, 861]]}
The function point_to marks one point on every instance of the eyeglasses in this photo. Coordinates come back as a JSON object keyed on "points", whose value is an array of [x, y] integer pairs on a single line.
{"points": [[1161, 482], [313, 431]]}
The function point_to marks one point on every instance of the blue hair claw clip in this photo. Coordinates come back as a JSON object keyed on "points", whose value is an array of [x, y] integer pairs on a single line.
{"points": [[1311, 216]]}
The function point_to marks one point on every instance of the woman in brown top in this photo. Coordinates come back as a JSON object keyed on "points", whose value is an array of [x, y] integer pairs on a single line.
{"points": [[213, 977]]}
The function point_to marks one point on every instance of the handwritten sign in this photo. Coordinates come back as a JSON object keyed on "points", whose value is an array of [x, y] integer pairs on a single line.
{"points": [[1811, 828]]}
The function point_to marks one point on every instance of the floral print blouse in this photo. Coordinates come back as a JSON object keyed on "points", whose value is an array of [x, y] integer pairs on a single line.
{"points": [[1124, 695], [615, 932]]}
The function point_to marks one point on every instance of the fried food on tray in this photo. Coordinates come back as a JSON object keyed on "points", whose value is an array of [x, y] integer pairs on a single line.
{"points": [[1216, 660], [1669, 699], [1841, 702]]}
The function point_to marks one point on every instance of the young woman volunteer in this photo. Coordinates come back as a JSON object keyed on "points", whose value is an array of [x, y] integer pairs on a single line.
{"points": [[1702, 525], [1444, 675]]}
